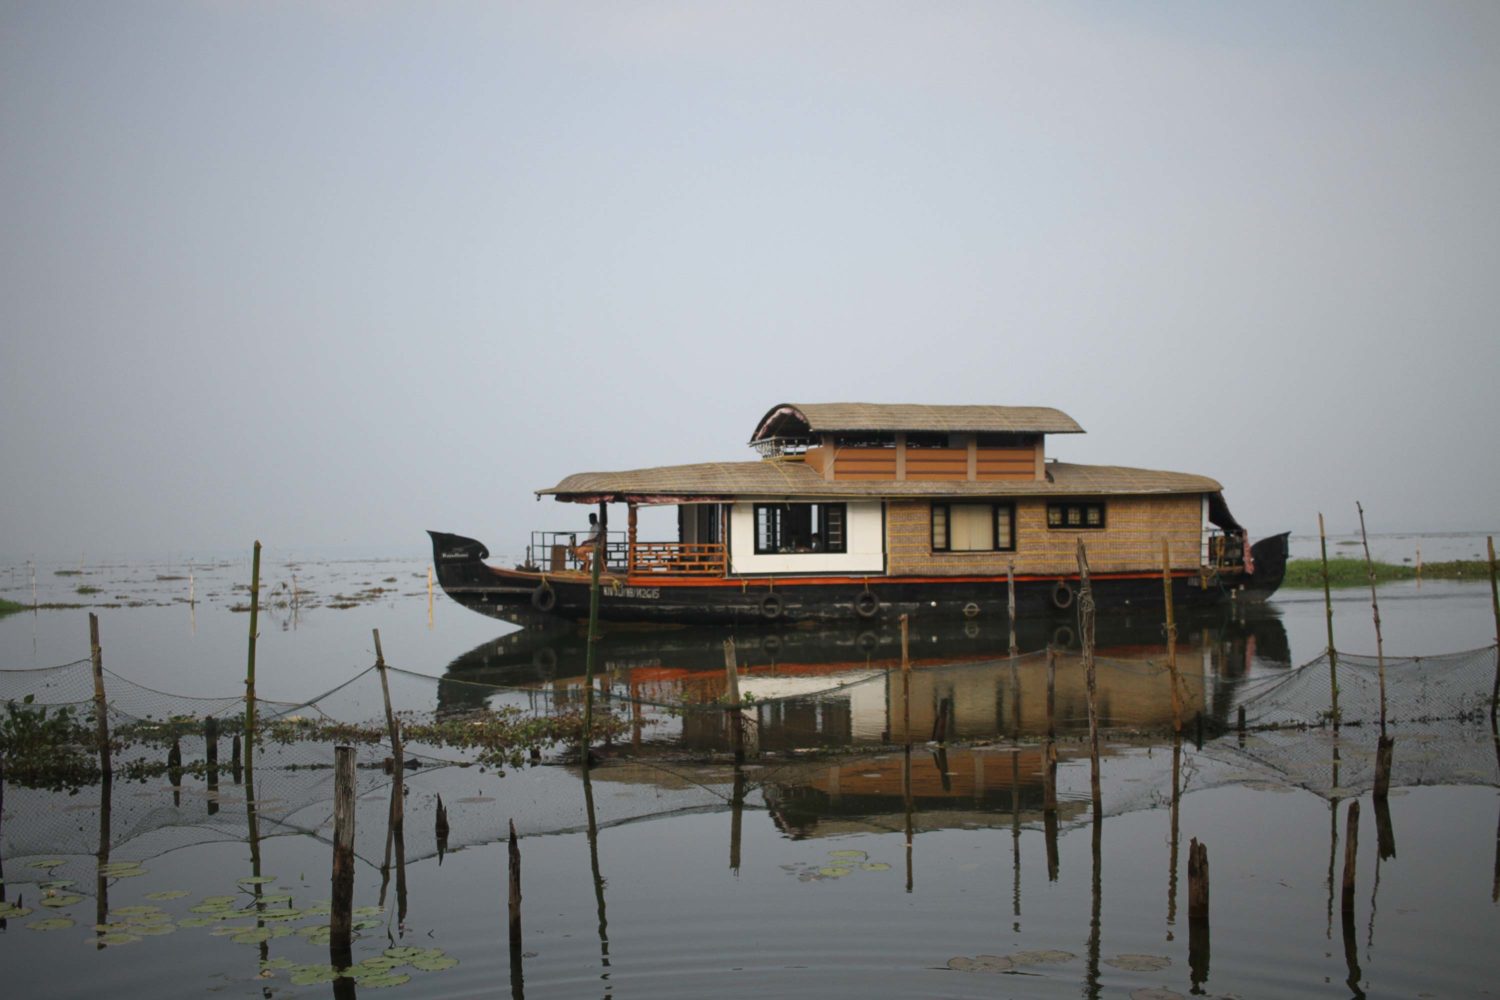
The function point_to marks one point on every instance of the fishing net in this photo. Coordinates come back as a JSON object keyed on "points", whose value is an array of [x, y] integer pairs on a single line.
{"points": [[823, 749]]}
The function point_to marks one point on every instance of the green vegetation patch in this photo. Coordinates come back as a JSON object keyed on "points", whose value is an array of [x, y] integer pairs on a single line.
{"points": [[10, 607], [1307, 574]]}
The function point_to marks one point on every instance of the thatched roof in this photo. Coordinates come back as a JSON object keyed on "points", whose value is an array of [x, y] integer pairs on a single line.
{"points": [[783, 479], [801, 419]]}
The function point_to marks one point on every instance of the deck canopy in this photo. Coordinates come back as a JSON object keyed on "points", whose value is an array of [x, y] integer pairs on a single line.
{"points": [[716, 482], [806, 422]]}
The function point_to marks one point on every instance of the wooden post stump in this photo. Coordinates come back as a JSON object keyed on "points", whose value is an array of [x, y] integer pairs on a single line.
{"points": [[341, 917]]}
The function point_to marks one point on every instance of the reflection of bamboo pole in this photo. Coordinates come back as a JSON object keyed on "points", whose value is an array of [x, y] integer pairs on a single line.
{"points": [[732, 684], [593, 833], [1333, 656], [1351, 854], [101, 707], [906, 806], [905, 682], [513, 854], [1166, 586], [1015, 834], [1091, 970], [736, 819], [1175, 833], [211, 762]]}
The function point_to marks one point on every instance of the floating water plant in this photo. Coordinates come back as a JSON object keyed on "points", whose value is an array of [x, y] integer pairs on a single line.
{"points": [[51, 924], [981, 963], [166, 894]]}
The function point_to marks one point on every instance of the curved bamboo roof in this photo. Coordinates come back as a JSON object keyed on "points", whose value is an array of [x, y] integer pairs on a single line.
{"points": [[791, 478], [799, 419]]}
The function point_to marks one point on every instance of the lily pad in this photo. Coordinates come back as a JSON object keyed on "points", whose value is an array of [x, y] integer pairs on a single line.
{"points": [[123, 869], [981, 963], [277, 963], [167, 894], [45, 863], [834, 872], [51, 924], [875, 866], [848, 854], [257, 879], [405, 954], [434, 963], [1042, 957], [58, 902], [13, 910], [61, 883], [380, 963], [154, 929], [116, 938], [364, 925], [134, 911], [309, 975], [380, 980], [280, 915], [1139, 963]]}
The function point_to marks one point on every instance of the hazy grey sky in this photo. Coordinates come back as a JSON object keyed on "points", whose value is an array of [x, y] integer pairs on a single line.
{"points": [[330, 273]]}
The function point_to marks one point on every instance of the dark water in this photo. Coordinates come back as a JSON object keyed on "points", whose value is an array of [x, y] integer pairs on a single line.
{"points": [[791, 875]]}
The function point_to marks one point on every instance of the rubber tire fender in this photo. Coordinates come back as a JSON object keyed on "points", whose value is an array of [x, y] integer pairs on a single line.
{"points": [[544, 598], [866, 604], [1062, 596], [772, 606]]}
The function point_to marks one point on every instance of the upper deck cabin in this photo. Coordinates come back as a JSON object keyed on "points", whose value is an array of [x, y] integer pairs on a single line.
{"points": [[863, 442], [861, 489]]}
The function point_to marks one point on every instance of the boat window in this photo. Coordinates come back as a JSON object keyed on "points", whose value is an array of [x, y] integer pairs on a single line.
{"points": [[1075, 515], [799, 527], [973, 527]]}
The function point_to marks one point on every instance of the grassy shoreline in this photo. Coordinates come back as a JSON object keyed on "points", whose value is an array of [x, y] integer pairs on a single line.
{"points": [[10, 607], [1307, 574]]}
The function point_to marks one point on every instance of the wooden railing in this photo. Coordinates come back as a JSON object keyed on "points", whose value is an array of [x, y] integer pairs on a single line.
{"points": [[679, 558]]}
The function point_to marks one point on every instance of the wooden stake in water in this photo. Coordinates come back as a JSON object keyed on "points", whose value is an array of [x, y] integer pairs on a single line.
{"points": [[101, 707], [250, 665], [1333, 656], [340, 919], [1166, 586], [513, 854], [905, 680], [1351, 854], [429, 595]]}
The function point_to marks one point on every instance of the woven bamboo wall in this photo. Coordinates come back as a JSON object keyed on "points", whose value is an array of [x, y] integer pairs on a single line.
{"points": [[1130, 542]]}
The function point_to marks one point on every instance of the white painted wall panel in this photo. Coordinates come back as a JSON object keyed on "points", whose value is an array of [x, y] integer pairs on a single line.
{"points": [[865, 553]]}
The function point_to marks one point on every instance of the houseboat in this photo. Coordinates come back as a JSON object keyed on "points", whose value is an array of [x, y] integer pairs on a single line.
{"points": [[860, 512]]}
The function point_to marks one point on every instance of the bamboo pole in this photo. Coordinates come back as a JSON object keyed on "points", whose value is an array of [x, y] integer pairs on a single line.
{"points": [[1166, 586], [905, 680], [429, 595], [250, 666], [341, 916], [1086, 636], [101, 707], [1385, 745], [398, 754], [1010, 602], [1333, 656], [1375, 607], [1495, 600], [1049, 750], [588, 670]]}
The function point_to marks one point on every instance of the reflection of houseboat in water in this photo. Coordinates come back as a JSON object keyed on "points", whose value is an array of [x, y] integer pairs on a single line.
{"points": [[859, 513], [842, 688]]}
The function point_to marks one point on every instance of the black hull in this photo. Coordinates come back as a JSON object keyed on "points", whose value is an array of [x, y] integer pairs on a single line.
{"points": [[530, 598]]}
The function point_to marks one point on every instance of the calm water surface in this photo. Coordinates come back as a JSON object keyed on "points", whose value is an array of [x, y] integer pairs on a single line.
{"points": [[790, 876]]}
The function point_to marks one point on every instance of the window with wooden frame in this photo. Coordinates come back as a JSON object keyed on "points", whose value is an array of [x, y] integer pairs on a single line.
{"points": [[800, 527], [973, 527], [1081, 515]]}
